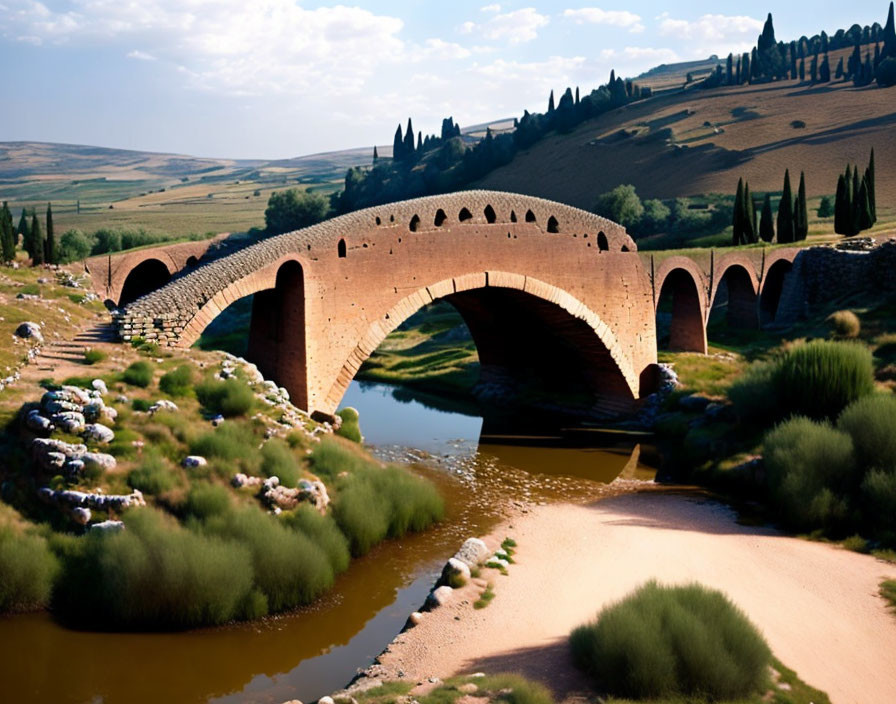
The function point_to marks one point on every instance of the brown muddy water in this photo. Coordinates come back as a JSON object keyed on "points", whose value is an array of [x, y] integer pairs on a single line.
{"points": [[312, 652]]}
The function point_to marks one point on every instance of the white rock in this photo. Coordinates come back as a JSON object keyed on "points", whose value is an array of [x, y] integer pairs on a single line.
{"points": [[439, 597], [30, 331], [100, 386], [37, 423], [102, 460], [415, 618], [455, 569], [325, 700], [472, 552], [196, 461], [98, 433], [162, 405], [81, 515], [108, 526], [70, 422]]}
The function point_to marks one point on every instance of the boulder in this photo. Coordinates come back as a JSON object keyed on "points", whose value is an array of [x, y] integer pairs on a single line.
{"points": [[100, 386], [70, 422], [693, 402], [472, 552], [73, 467], [81, 515], [108, 526], [102, 460], [415, 618], [455, 571], [77, 395], [162, 405], [97, 432], [439, 597], [325, 700], [37, 423], [195, 461], [60, 406]]}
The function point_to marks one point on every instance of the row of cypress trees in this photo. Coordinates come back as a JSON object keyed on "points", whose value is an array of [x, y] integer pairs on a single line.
{"points": [[855, 208], [42, 246], [792, 218]]}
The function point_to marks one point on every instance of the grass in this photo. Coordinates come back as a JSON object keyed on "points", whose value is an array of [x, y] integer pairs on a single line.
{"points": [[138, 374], [229, 398], [485, 598], [350, 429], [178, 382], [673, 641], [845, 324], [888, 592], [92, 356]]}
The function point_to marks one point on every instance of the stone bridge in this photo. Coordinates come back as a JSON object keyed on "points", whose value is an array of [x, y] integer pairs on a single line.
{"points": [[120, 278], [548, 292]]}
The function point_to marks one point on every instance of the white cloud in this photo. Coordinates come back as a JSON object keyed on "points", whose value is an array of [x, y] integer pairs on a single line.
{"points": [[513, 27], [141, 55], [614, 18], [440, 49], [491, 8], [713, 34]]}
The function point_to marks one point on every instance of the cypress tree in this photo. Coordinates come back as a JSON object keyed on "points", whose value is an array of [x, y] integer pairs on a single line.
{"points": [[409, 141], [551, 99], [841, 208], [420, 142], [729, 73], [7, 234], [737, 216], [577, 95], [889, 49], [754, 65], [864, 220], [398, 145], [24, 230], [785, 212], [766, 224], [737, 74], [877, 58], [856, 185], [750, 229], [824, 71], [50, 255], [813, 71], [375, 154], [745, 72], [839, 72], [801, 212], [37, 242], [802, 69], [872, 188], [854, 67], [855, 203], [792, 61]]}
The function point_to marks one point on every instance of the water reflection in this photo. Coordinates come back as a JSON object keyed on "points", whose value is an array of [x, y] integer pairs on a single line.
{"points": [[310, 653]]}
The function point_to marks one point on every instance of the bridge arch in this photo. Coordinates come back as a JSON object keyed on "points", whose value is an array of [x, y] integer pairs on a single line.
{"points": [[680, 303], [484, 300], [772, 288], [736, 289], [148, 275]]}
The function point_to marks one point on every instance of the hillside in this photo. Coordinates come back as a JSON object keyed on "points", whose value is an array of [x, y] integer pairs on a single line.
{"points": [[697, 142]]}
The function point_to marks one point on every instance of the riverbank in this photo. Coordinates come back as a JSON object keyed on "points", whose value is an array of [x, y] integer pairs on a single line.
{"points": [[817, 604]]}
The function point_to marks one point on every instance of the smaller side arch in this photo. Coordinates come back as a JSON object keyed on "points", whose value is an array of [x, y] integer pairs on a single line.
{"points": [[680, 298], [490, 216], [553, 225], [602, 244], [341, 248], [772, 289]]}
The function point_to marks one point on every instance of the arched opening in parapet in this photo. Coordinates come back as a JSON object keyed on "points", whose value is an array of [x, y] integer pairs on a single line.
{"points": [[512, 216], [464, 215], [341, 249], [679, 318], [625, 248], [414, 224], [277, 332], [490, 216], [147, 276], [505, 347], [530, 216], [772, 288], [553, 225], [602, 244], [735, 303], [191, 262], [440, 218]]}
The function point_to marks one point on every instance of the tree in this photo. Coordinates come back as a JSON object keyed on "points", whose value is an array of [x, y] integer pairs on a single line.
{"points": [[293, 209], [737, 215], [889, 50], [768, 60], [398, 145], [886, 73], [51, 255], [839, 72], [766, 222], [824, 70], [825, 208], [621, 205], [750, 228], [729, 72], [842, 215], [7, 234], [74, 246], [802, 69], [375, 154], [409, 150], [785, 212], [800, 212], [37, 242], [551, 102], [872, 190], [24, 230], [813, 71]]}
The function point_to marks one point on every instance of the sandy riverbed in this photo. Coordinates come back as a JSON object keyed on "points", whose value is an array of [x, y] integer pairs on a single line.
{"points": [[817, 604]]}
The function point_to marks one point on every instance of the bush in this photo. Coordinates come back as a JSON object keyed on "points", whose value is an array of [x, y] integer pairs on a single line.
{"points": [[74, 246], [27, 571], [753, 393], [810, 470], [153, 475], [278, 460], [92, 356], [177, 382], [621, 205], [153, 575], [819, 379], [350, 429], [845, 324], [293, 209], [879, 502], [232, 397], [140, 404], [138, 374], [513, 689], [886, 72], [208, 500], [233, 445], [666, 641], [871, 423], [322, 531]]}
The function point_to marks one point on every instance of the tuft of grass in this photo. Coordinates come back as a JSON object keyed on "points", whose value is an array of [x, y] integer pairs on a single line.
{"points": [[277, 459], [231, 447], [140, 404], [888, 591], [177, 382], [27, 571], [350, 429], [138, 374], [673, 641], [485, 598], [93, 356], [845, 325], [856, 543], [230, 398], [153, 475]]}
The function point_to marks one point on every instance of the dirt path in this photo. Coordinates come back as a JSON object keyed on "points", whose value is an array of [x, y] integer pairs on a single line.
{"points": [[818, 605]]}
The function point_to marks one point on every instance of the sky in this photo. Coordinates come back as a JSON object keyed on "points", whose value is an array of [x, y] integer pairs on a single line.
{"points": [[271, 79]]}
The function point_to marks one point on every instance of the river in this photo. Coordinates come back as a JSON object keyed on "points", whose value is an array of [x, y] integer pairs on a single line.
{"points": [[311, 652]]}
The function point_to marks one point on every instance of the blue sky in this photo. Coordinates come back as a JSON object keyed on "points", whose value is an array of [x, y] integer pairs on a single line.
{"points": [[279, 78]]}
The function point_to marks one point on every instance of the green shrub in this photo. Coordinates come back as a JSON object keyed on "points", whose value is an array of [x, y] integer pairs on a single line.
{"points": [[819, 379], [331, 458], [753, 393], [349, 428], [140, 404], [234, 446], [177, 382], [232, 397], [290, 570], [673, 641], [278, 460], [871, 423], [92, 356], [845, 324], [322, 531], [153, 575], [153, 475], [74, 245], [27, 571], [138, 374], [879, 501], [207, 500], [513, 689], [811, 470]]}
